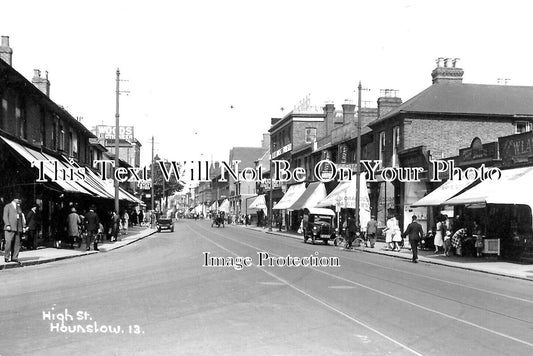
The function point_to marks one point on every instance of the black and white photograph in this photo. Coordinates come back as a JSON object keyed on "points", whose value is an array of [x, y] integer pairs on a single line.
{"points": [[283, 177]]}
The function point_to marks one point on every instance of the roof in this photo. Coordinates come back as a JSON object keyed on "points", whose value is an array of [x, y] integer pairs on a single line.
{"points": [[13, 76], [468, 99], [247, 155]]}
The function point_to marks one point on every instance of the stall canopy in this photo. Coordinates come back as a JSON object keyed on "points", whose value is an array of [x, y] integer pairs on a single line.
{"points": [[224, 206], [344, 196], [293, 193], [214, 206], [514, 187], [446, 191], [259, 202], [314, 193]]}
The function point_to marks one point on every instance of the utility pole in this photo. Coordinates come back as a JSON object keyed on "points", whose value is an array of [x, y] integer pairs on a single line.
{"points": [[358, 157], [271, 189], [117, 128], [152, 173]]}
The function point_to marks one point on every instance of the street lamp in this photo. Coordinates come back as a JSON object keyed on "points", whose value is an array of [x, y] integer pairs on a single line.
{"points": [[358, 156]]}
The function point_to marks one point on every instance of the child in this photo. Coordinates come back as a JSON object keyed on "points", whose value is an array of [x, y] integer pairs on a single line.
{"points": [[479, 245], [447, 242]]}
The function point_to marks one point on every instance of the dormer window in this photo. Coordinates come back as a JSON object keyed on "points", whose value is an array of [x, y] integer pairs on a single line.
{"points": [[522, 126]]}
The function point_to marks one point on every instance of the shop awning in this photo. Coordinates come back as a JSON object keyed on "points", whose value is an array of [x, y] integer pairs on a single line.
{"points": [[314, 193], [259, 202], [224, 206], [514, 187], [214, 206], [446, 191], [31, 155], [293, 193], [344, 194]]}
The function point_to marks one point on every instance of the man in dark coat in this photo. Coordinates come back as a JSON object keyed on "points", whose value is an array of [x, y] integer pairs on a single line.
{"points": [[33, 220], [352, 230], [415, 233], [92, 223]]}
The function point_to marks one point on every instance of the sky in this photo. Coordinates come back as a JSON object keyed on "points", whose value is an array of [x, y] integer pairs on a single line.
{"points": [[204, 76]]}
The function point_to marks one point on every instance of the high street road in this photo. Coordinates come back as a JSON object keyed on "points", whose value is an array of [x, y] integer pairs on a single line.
{"points": [[160, 296]]}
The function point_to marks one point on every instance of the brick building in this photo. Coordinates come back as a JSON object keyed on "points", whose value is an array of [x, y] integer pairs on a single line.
{"points": [[434, 124]]}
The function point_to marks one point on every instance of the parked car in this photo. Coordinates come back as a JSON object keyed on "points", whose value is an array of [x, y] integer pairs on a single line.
{"points": [[318, 225], [165, 224]]}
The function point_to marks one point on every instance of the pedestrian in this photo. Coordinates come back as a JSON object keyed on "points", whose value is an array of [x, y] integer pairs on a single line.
{"points": [[372, 230], [33, 219], [396, 234], [457, 240], [125, 222], [92, 222], [389, 232], [415, 233], [447, 242], [14, 223], [2, 236], [73, 227], [352, 230], [439, 233], [115, 225]]}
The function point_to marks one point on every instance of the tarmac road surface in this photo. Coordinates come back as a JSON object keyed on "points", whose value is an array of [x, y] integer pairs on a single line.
{"points": [[163, 296]]}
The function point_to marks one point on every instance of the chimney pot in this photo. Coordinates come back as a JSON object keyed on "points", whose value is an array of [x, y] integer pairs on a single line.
{"points": [[6, 53], [36, 73]]}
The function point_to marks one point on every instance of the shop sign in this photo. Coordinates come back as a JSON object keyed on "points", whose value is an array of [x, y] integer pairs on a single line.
{"points": [[516, 148], [107, 132], [478, 152], [414, 157], [343, 153], [282, 150]]}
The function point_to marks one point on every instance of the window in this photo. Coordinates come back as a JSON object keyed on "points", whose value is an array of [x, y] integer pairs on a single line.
{"points": [[61, 138], [3, 112], [54, 135], [310, 135], [395, 145], [20, 117], [382, 145], [42, 127], [522, 126]]}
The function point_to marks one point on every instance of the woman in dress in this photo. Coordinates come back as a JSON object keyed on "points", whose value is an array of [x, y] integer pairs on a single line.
{"points": [[389, 232], [439, 234], [396, 234]]}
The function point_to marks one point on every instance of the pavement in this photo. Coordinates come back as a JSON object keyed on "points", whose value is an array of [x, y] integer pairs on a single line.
{"points": [[45, 255], [486, 264]]}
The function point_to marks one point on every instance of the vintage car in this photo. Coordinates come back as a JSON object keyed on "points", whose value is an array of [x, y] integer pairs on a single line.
{"points": [[165, 224], [318, 224]]}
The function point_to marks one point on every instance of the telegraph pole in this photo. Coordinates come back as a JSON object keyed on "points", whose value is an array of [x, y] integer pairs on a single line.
{"points": [[117, 128], [152, 173], [358, 157]]}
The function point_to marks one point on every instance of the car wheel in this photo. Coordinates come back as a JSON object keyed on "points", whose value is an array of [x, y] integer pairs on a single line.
{"points": [[325, 242], [158, 230], [172, 230]]}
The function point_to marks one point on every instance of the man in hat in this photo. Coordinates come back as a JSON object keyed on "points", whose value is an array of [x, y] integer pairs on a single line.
{"points": [[415, 233], [93, 223], [14, 223]]}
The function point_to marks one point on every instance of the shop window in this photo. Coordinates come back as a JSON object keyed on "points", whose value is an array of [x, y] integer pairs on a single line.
{"points": [[310, 135], [522, 126]]}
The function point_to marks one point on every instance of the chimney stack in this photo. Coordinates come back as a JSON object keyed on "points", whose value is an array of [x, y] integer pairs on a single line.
{"points": [[387, 101], [348, 112], [43, 84], [6, 53], [329, 110], [447, 71]]}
